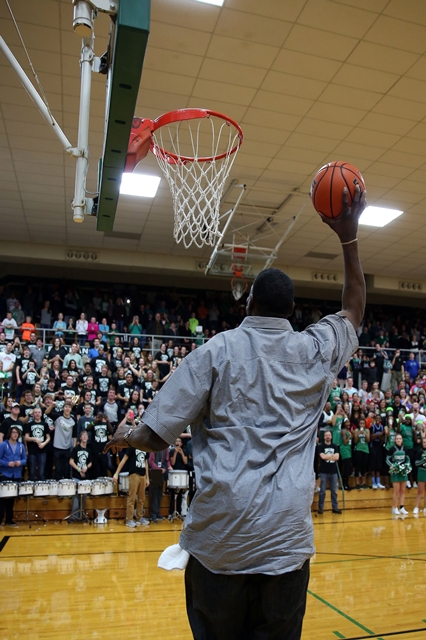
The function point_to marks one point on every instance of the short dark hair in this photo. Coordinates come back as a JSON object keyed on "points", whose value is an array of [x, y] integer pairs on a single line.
{"points": [[273, 293]]}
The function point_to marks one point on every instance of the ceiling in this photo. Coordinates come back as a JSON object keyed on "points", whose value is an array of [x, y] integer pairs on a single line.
{"points": [[308, 80]]}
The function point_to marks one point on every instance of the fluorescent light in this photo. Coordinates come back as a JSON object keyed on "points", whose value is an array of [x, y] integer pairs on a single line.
{"points": [[378, 216], [218, 3], [139, 184]]}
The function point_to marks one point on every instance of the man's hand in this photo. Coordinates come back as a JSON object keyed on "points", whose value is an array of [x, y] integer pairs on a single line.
{"points": [[346, 225], [117, 439]]}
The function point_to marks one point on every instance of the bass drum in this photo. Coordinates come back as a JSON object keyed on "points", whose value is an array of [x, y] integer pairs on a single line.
{"points": [[178, 480]]}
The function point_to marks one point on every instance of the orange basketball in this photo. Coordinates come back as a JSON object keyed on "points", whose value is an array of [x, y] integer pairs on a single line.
{"points": [[327, 187]]}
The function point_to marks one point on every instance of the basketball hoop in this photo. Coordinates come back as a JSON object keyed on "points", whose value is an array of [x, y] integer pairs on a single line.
{"points": [[239, 285], [195, 149]]}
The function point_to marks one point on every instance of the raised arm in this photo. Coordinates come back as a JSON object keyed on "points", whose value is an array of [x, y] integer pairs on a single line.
{"points": [[346, 228]]}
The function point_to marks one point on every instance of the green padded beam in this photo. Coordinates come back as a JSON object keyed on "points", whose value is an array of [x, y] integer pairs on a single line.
{"points": [[131, 33]]}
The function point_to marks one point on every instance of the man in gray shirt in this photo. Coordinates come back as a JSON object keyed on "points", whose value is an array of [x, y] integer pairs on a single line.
{"points": [[253, 397]]}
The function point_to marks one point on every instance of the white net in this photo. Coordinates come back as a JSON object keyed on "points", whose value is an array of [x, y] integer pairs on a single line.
{"points": [[187, 153], [239, 287]]}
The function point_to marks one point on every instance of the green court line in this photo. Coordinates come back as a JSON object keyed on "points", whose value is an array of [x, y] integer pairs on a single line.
{"points": [[341, 613], [339, 635]]}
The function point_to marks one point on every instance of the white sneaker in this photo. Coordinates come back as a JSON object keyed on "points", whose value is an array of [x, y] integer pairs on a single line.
{"points": [[374, 486], [415, 485], [143, 521], [416, 510], [131, 523], [403, 511], [408, 484], [381, 486], [424, 511], [395, 511]]}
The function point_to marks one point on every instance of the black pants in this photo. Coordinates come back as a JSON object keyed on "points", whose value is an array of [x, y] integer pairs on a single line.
{"points": [[245, 606], [62, 463], [155, 493], [6, 506], [100, 464]]}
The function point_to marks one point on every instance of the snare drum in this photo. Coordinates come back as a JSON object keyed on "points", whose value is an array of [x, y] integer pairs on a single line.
{"points": [[41, 488], [84, 486], [98, 487], [123, 482], [109, 485], [53, 487], [8, 489], [67, 488], [26, 488], [178, 480]]}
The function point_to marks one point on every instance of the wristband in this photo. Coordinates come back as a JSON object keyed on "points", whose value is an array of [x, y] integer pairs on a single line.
{"points": [[350, 241]]}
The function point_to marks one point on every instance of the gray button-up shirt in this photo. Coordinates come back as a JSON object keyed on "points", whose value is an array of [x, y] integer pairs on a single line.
{"points": [[253, 397]]}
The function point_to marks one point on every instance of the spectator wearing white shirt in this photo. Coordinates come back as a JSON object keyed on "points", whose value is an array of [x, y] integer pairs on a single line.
{"points": [[9, 325], [350, 389], [8, 359]]}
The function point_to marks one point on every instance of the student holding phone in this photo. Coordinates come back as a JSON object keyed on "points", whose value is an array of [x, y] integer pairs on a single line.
{"points": [[135, 462]]}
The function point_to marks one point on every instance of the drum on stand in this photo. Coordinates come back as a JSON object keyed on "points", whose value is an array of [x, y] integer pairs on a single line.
{"points": [[66, 488], [98, 487], [53, 487], [109, 485], [8, 489], [26, 488], [41, 488], [123, 483], [178, 480], [84, 487]]}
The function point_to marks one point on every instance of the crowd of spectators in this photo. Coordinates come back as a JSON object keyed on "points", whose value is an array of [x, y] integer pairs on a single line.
{"points": [[74, 361]]}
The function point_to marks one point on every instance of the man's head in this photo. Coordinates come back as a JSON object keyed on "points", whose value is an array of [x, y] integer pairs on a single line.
{"points": [[271, 295], [327, 436]]}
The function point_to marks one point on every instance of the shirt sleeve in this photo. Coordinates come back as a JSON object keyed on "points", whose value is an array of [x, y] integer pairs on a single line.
{"points": [[337, 341], [183, 397]]}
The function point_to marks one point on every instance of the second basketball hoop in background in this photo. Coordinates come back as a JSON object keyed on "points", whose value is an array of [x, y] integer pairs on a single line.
{"points": [[195, 149]]}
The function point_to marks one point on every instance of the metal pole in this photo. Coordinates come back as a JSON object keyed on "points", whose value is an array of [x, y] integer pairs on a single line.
{"points": [[231, 213], [79, 202], [29, 88]]}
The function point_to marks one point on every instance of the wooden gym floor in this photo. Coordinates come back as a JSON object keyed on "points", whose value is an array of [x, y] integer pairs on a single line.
{"points": [[87, 581]]}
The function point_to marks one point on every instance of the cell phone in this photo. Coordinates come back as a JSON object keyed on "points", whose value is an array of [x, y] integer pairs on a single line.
{"points": [[131, 415]]}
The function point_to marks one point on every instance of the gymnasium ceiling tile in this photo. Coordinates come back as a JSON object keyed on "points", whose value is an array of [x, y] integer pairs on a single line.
{"points": [[405, 159], [320, 43], [335, 113], [322, 128], [403, 35], [344, 20], [399, 107], [409, 89], [387, 124], [376, 56], [409, 197], [185, 13], [372, 138], [410, 145], [316, 143], [166, 82], [231, 73], [304, 65], [293, 85], [176, 38], [234, 111], [288, 10], [35, 36], [258, 132], [241, 51], [412, 11], [159, 101], [260, 148], [208, 90], [253, 28], [382, 181], [336, 94], [271, 119], [18, 96], [348, 149], [281, 103], [160, 59], [390, 170], [300, 155], [43, 61], [372, 80]]}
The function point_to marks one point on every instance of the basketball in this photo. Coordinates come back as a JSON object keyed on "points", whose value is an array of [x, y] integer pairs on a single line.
{"points": [[327, 187]]}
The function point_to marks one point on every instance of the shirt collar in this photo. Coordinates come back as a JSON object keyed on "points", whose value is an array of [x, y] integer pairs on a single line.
{"points": [[263, 322]]}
